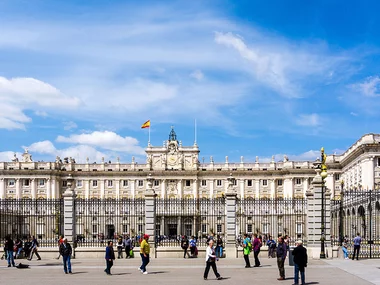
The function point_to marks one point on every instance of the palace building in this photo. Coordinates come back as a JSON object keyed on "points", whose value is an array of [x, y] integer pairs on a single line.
{"points": [[178, 173]]}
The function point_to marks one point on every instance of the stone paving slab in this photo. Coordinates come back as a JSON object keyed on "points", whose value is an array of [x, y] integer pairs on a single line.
{"points": [[174, 271]]}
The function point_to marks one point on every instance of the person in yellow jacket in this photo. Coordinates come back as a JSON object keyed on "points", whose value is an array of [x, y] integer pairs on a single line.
{"points": [[144, 253]]}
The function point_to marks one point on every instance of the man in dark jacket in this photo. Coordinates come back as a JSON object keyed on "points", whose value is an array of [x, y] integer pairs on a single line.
{"points": [[110, 257], [65, 250], [8, 247], [300, 262], [281, 256]]}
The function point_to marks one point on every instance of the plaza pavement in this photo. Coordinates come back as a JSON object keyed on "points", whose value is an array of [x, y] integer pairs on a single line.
{"points": [[188, 271]]}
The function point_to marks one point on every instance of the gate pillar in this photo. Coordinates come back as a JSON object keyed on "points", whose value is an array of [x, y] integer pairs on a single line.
{"points": [[231, 198], [150, 214]]}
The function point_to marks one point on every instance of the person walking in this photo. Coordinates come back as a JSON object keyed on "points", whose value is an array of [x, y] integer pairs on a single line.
{"points": [[300, 262], [211, 261], [271, 247], [8, 247], [357, 242], [34, 249], [247, 247], [185, 246], [144, 253], [128, 246], [281, 256], [256, 249], [66, 251], [18, 247], [60, 241], [120, 247], [110, 257]]}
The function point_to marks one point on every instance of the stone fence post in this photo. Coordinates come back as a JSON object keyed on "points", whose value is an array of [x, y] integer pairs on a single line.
{"points": [[231, 199], [69, 228], [150, 214]]}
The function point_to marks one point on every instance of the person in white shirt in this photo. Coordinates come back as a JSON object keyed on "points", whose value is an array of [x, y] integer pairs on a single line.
{"points": [[211, 261]]}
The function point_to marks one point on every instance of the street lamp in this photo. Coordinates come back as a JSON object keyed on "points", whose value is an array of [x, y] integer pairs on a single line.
{"points": [[341, 213], [323, 175]]}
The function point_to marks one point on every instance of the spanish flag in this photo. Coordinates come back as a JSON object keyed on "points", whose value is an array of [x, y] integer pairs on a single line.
{"points": [[146, 125]]}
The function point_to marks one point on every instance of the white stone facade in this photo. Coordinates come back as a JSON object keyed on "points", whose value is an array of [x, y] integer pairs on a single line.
{"points": [[177, 172]]}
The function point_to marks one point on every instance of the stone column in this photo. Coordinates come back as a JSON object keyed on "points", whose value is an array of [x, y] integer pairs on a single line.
{"points": [[257, 188], [230, 239], [33, 187], [48, 188], [272, 188], [211, 188], [163, 188], [117, 186], [180, 188], [18, 189], [195, 188], [242, 186], [150, 213], [102, 188], [69, 211], [2, 188], [87, 189]]}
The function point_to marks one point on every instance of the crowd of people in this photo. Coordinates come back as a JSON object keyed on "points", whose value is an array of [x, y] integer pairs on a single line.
{"points": [[17, 249]]}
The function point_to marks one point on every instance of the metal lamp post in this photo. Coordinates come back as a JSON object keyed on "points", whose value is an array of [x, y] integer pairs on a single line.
{"points": [[323, 175], [341, 237]]}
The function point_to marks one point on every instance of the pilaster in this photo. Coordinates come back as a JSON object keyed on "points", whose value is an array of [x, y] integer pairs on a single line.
{"points": [[69, 211], [2, 188], [150, 212]]}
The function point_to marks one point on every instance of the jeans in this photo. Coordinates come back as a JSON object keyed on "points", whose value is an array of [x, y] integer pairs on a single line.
{"points": [[345, 252], [219, 251], [66, 263], [10, 258], [109, 264], [256, 255], [207, 269], [18, 252], [127, 250], [298, 269], [280, 265], [356, 250], [145, 261]]}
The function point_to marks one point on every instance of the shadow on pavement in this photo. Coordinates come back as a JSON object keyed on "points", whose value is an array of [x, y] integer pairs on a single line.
{"points": [[158, 272], [81, 272], [310, 283]]}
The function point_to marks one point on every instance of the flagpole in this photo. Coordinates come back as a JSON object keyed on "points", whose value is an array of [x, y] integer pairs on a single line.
{"points": [[149, 136], [195, 131]]}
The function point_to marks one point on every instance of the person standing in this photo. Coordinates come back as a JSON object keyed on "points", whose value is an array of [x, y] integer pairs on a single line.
{"points": [[8, 247], [120, 247], [144, 253], [110, 257], [211, 261], [345, 250], [357, 242], [271, 247], [219, 247], [128, 246], [185, 246], [60, 241], [281, 256], [300, 262], [18, 246], [247, 247], [34, 249], [256, 249], [66, 251], [193, 246]]}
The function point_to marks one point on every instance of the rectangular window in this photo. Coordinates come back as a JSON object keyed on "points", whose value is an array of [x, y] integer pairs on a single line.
{"points": [[110, 183], [265, 182], [79, 183], [125, 229], [279, 182], [26, 182], [249, 183], [11, 182], [141, 183], [219, 228], [156, 182], [94, 229], [64, 183], [204, 228], [125, 183], [41, 182], [204, 182], [140, 228], [94, 183], [298, 181], [218, 182], [249, 228], [299, 229], [234, 182], [337, 177], [187, 183]]}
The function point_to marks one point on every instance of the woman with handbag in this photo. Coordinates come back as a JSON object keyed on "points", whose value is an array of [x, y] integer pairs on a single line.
{"points": [[185, 246], [211, 261]]}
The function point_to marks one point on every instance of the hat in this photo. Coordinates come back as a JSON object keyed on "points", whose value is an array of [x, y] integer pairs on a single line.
{"points": [[146, 236]]}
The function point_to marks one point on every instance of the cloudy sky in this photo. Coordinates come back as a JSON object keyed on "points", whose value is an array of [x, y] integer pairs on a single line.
{"points": [[262, 78]]}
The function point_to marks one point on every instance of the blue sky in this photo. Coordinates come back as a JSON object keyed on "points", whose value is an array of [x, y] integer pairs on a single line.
{"points": [[262, 78]]}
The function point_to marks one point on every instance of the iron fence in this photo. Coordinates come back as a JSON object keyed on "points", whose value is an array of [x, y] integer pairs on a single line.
{"points": [[24, 218], [200, 218], [272, 217], [100, 220], [357, 211]]}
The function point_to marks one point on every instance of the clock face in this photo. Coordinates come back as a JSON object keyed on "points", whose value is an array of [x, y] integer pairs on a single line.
{"points": [[172, 159]]}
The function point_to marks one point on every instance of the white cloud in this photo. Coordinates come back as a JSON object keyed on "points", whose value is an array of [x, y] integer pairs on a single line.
{"points": [[310, 155], [370, 87], [69, 125], [197, 74], [43, 147], [20, 94], [9, 155], [106, 140], [309, 120], [41, 114]]}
